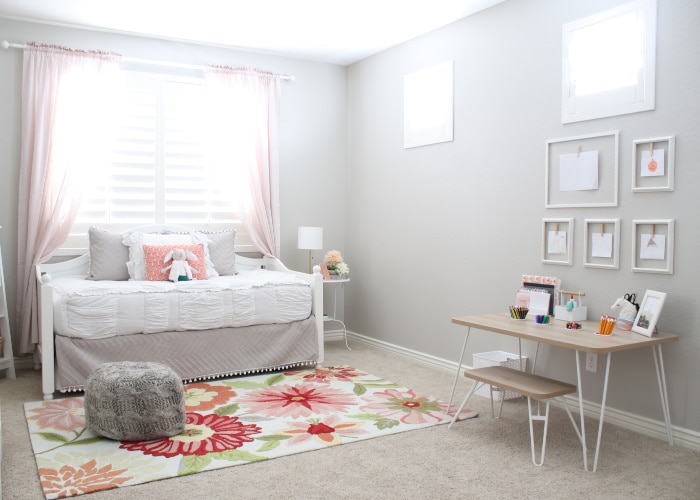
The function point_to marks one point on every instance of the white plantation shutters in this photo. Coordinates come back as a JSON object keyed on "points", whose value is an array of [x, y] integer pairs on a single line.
{"points": [[162, 169]]}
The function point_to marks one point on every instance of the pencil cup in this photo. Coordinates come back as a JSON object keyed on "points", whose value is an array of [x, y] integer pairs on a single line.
{"points": [[517, 312], [607, 323]]}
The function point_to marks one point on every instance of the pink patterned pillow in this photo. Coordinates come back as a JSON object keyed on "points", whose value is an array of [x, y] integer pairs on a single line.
{"points": [[155, 254]]}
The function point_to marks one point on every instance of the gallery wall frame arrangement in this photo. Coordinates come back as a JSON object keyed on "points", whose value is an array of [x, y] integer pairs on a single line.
{"points": [[652, 245], [601, 245], [653, 164], [558, 241], [582, 171]]}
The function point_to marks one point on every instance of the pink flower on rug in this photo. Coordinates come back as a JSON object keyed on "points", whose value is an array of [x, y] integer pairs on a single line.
{"points": [[329, 430], [88, 478], [404, 405], [296, 401], [328, 374], [203, 434], [63, 414], [203, 396]]}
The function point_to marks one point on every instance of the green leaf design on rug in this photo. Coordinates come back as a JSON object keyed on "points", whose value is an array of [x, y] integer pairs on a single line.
{"points": [[227, 410], [379, 421], [87, 440], [361, 387], [275, 379], [52, 437], [249, 384], [271, 442], [237, 456], [244, 384]]}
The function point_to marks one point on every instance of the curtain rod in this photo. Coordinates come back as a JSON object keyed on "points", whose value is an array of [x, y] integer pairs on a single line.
{"points": [[7, 45]]}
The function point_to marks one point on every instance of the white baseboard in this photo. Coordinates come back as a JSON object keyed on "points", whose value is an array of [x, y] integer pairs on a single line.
{"points": [[646, 426]]}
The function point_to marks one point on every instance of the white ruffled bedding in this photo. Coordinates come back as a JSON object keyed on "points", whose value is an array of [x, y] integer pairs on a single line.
{"points": [[100, 309]]}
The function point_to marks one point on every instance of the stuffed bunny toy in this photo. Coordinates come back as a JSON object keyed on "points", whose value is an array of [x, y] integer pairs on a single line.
{"points": [[180, 269]]}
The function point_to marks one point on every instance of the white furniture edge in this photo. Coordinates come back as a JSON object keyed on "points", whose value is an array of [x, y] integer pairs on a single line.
{"points": [[7, 360], [44, 356]]}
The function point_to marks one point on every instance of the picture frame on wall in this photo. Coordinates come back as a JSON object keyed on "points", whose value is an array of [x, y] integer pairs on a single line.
{"points": [[557, 241], [653, 245], [601, 247], [582, 171], [429, 106], [649, 311], [653, 164]]}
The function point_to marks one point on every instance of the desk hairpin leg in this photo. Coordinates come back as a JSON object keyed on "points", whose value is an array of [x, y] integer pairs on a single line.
{"points": [[661, 378], [602, 411], [459, 368], [580, 409]]}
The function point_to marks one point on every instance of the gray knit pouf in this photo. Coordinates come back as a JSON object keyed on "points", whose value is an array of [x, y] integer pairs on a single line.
{"points": [[132, 401]]}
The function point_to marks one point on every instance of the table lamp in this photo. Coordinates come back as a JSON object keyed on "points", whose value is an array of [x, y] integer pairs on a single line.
{"points": [[310, 238]]}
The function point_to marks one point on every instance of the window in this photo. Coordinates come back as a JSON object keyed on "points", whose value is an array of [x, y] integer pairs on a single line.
{"points": [[609, 63], [161, 170]]}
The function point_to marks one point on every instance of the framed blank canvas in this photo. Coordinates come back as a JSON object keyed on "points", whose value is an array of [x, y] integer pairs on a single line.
{"points": [[428, 106]]}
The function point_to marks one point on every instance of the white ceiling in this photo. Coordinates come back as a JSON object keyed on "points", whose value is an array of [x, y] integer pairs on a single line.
{"points": [[331, 31]]}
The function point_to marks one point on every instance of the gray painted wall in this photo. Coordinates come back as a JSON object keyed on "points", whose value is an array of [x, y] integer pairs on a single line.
{"points": [[448, 229]]}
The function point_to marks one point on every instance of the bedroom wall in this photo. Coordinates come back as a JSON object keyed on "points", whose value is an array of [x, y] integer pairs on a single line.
{"points": [[448, 229], [313, 130]]}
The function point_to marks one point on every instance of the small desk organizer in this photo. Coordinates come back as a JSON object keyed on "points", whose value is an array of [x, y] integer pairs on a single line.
{"points": [[578, 313]]}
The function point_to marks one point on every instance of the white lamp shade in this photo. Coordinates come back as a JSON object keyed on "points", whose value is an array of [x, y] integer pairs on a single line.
{"points": [[310, 238]]}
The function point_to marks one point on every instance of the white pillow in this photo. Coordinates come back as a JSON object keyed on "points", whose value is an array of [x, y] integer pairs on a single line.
{"points": [[222, 250], [137, 261]]}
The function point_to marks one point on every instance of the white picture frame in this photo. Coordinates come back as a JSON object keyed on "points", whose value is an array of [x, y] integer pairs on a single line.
{"points": [[664, 182], [606, 146], [609, 228], [649, 311], [591, 62], [563, 254], [428, 104], [657, 229]]}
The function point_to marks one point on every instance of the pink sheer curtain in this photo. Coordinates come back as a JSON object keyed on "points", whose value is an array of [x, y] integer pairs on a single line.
{"points": [[244, 119], [65, 98]]}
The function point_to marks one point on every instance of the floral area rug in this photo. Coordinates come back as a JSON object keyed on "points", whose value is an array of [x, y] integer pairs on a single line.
{"points": [[229, 422]]}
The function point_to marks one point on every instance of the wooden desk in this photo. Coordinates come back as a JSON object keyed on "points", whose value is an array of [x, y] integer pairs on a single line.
{"points": [[583, 340]]}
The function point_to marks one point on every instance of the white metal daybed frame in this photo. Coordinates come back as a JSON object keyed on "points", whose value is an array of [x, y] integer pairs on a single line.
{"points": [[45, 273]]}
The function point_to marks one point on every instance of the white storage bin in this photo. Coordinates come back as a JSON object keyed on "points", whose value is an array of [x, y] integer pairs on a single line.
{"points": [[497, 358], [578, 313]]}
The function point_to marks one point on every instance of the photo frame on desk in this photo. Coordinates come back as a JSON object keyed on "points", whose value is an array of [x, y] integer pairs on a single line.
{"points": [[601, 247], [559, 192], [557, 241], [652, 246], [649, 311], [653, 164]]}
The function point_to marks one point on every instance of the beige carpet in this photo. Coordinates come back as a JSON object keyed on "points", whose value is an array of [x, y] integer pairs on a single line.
{"points": [[478, 458]]}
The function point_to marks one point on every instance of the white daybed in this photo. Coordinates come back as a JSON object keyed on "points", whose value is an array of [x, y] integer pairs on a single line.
{"points": [[265, 317]]}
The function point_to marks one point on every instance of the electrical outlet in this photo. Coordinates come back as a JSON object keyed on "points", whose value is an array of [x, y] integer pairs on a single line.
{"points": [[591, 361]]}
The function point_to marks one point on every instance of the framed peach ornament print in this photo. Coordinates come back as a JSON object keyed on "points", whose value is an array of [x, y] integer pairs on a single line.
{"points": [[653, 164]]}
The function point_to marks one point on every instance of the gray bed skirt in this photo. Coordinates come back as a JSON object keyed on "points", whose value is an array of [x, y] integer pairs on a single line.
{"points": [[193, 355]]}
